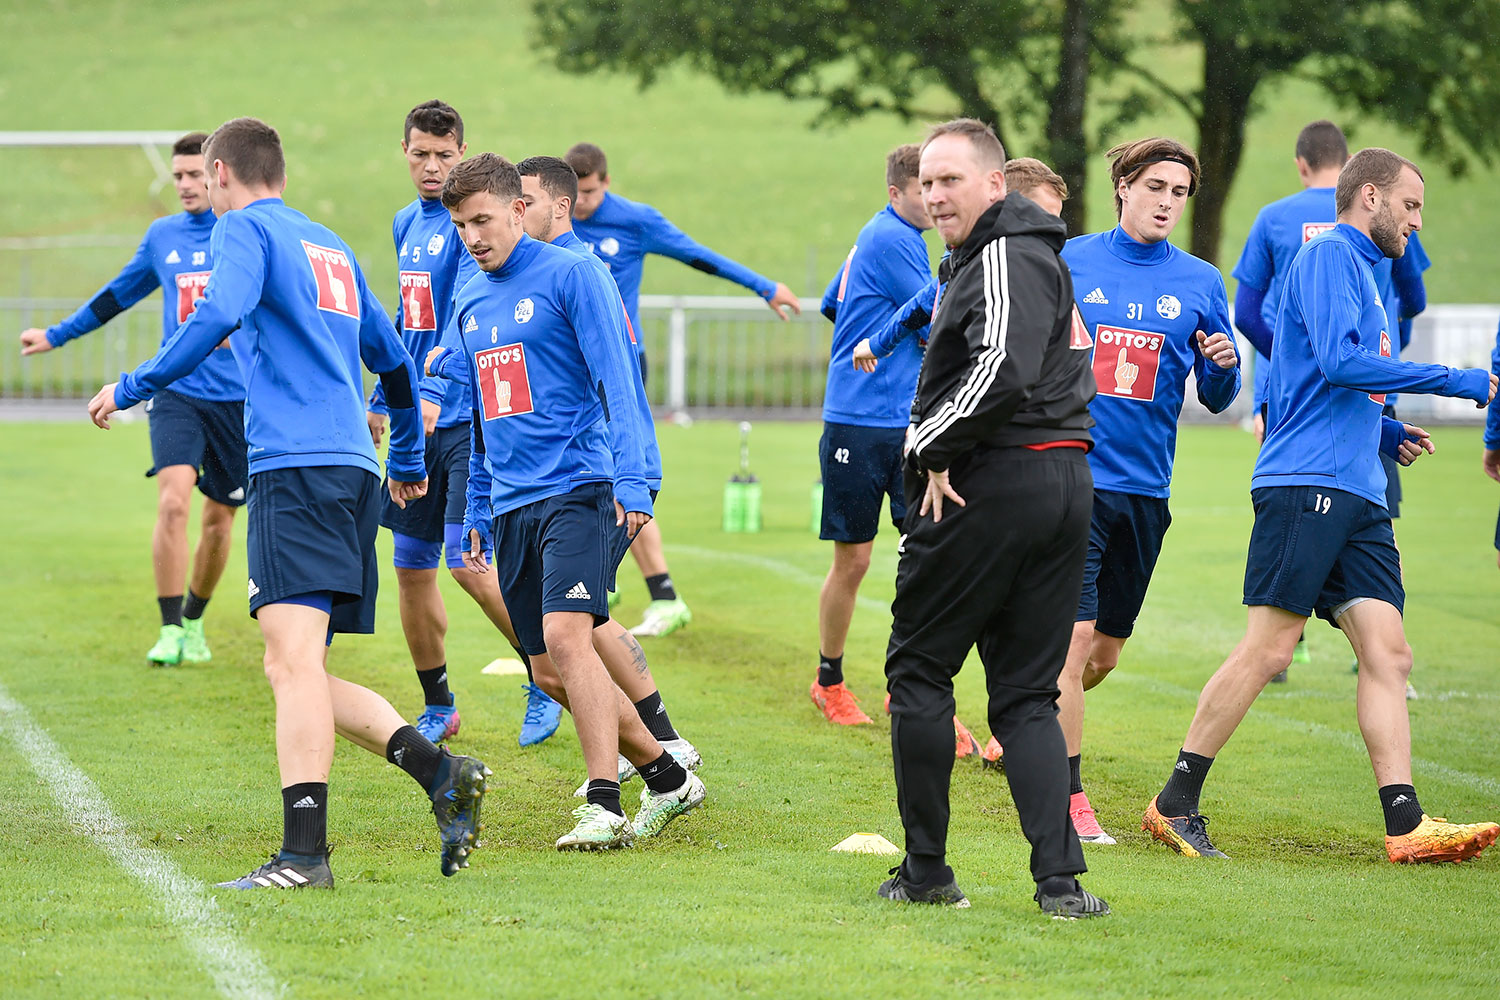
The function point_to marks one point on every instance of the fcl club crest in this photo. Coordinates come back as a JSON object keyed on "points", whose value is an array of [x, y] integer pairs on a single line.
{"points": [[416, 301], [1167, 307], [435, 245], [525, 309], [504, 387], [190, 285], [334, 274], [609, 246]]}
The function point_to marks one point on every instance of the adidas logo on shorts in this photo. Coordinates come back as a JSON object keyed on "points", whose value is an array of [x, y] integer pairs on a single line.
{"points": [[238, 493], [578, 592], [1096, 298], [253, 588]]}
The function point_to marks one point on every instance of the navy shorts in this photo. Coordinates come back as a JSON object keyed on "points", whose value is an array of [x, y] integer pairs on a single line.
{"points": [[208, 436], [860, 465], [313, 530], [1313, 548], [447, 457], [622, 544], [1125, 538], [555, 555]]}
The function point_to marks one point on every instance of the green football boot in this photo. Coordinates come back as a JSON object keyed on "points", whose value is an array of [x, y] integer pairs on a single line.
{"points": [[168, 649]]}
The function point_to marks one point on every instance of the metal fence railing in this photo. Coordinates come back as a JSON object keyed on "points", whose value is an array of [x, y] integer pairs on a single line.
{"points": [[708, 355]]}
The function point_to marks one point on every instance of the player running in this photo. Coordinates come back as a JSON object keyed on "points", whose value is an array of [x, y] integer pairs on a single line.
{"points": [[865, 417], [1322, 539], [558, 468], [306, 320], [197, 427], [433, 264], [1156, 314], [622, 233]]}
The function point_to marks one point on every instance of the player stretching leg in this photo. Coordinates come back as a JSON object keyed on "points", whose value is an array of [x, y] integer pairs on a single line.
{"points": [[306, 320], [558, 463], [865, 416], [1322, 539], [1035, 181], [1156, 314], [197, 427], [433, 264], [622, 233]]}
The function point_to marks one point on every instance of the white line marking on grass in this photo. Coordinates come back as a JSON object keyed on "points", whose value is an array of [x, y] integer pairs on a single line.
{"points": [[236, 970], [785, 570], [1352, 740]]}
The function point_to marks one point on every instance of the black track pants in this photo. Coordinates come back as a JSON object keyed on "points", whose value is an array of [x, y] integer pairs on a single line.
{"points": [[1005, 572]]}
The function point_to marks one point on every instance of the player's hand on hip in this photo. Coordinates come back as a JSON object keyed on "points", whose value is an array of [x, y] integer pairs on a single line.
{"points": [[782, 299], [633, 521], [102, 405], [1219, 349], [864, 358], [474, 559], [1416, 441], [376, 423], [938, 487], [34, 341], [1258, 427], [402, 492], [1492, 463], [430, 413]]}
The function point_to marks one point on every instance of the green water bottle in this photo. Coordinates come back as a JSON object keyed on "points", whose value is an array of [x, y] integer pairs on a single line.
{"points": [[817, 507], [734, 505], [752, 522]]}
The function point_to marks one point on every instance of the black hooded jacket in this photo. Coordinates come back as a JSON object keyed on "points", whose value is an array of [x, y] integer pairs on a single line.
{"points": [[1008, 358]]}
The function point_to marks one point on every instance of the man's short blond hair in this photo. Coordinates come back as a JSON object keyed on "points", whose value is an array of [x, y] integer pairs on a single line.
{"points": [[1027, 173]]}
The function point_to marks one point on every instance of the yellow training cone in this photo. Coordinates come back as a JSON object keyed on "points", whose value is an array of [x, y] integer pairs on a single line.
{"points": [[505, 666], [865, 843]]}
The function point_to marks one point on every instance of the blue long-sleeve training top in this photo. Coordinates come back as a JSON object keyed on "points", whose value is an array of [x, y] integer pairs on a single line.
{"points": [[1331, 366], [1492, 418], [551, 368], [887, 265], [174, 256], [1144, 304], [304, 319], [432, 263], [622, 232]]}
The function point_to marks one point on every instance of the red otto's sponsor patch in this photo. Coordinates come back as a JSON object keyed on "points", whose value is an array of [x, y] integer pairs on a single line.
{"points": [[190, 285], [1125, 361], [1311, 229], [416, 301], [1385, 352], [504, 389], [1078, 338], [335, 277]]}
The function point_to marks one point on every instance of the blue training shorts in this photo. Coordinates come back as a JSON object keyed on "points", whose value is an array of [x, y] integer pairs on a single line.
{"points": [[1314, 548], [207, 435], [1125, 537], [860, 466]]}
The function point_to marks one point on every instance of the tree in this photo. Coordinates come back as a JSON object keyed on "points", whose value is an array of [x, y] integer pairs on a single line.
{"points": [[1021, 65], [1424, 65]]}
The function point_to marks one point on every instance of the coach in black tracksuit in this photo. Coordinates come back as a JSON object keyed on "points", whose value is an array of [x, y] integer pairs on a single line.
{"points": [[999, 496]]}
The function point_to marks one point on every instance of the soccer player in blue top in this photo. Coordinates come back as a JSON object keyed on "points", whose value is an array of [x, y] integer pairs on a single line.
{"points": [[865, 414], [304, 321], [197, 427], [622, 233], [558, 465], [433, 264], [1156, 314], [1492, 439], [1322, 539]]}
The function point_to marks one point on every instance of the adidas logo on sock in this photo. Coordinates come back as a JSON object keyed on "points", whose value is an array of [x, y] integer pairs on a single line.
{"points": [[1182, 766], [578, 592], [1399, 799], [396, 755], [306, 802], [1096, 298]]}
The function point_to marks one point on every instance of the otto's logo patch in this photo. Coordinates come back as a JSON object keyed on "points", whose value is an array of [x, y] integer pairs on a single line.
{"points": [[1078, 337], [1125, 362], [1311, 229], [435, 245], [504, 389], [1385, 352], [609, 246], [1167, 307], [335, 277], [416, 301], [190, 285], [525, 309]]}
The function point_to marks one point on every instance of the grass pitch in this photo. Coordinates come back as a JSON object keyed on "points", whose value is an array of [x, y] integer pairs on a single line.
{"points": [[742, 895]]}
